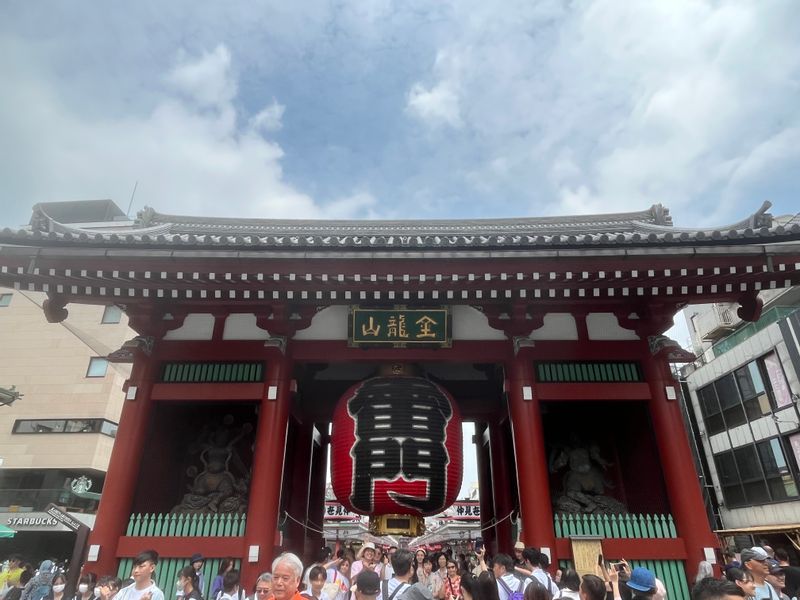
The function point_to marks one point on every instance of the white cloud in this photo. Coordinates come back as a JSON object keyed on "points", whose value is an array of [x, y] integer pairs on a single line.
{"points": [[207, 80], [438, 104], [186, 152], [269, 118]]}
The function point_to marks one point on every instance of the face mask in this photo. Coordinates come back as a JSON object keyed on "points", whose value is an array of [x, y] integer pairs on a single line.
{"points": [[59, 588], [97, 592], [83, 588]]}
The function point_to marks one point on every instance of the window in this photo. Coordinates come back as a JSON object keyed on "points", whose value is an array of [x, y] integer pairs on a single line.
{"points": [[5, 299], [712, 416], [65, 426], [112, 314], [746, 394], [757, 473], [97, 367]]}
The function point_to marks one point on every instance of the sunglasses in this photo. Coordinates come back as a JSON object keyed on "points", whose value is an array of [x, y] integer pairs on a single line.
{"points": [[262, 591]]}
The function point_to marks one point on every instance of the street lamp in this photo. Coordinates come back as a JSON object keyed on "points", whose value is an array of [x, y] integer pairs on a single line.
{"points": [[9, 395]]}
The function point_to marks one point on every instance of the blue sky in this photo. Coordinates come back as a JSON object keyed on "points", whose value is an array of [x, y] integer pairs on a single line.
{"points": [[380, 109]]}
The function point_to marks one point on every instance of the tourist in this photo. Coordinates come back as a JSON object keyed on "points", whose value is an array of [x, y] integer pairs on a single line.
{"points": [[400, 582], [470, 587], [368, 585], [107, 587], [364, 560], [338, 579], [11, 571], [16, 591], [488, 586], [144, 586], [40, 585], [643, 583], [419, 557], [197, 561], [742, 579], [287, 571], [507, 582], [792, 573], [317, 577], [754, 560], [592, 588], [230, 586], [571, 585], [704, 569], [225, 565], [519, 560], [263, 587], [58, 586], [86, 585], [776, 577], [452, 582], [537, 592], [387, 571], [427, 577], [538, 562], [187, 584], [716, 589]]}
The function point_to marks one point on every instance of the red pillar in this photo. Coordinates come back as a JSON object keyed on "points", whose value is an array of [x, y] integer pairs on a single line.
{"points": [[268, 459], [677, 463], [296, 505], [533, 480], [501, 487], [123, 468], [485, 488]]}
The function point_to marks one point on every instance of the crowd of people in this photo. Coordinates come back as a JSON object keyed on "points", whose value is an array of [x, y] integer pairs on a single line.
{"points": [[399, 574]]}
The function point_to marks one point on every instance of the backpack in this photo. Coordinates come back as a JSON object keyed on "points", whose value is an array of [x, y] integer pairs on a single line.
{"points": [[516, 595], [385, 590]]}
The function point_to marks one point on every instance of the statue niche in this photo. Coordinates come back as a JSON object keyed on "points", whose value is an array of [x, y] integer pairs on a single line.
{"points": [[584, 483], [219, 478]]}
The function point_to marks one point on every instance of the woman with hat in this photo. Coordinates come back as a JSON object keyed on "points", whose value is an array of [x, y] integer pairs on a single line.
{"points": [[197, 561], [365, 560], [643, 584]]}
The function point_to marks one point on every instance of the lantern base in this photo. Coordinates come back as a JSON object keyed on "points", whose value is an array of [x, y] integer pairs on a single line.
{"points": [[404, 525]]}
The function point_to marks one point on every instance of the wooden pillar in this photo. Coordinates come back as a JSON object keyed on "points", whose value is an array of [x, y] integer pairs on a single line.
{"points": [[677, 463], [501, 487], [485, 487], [299, 465], [268, 460], [316, 493], [533, 479], [123, 468]]}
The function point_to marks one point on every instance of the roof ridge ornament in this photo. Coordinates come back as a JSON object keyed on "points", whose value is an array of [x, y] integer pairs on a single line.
{"points": [[661, 215]]}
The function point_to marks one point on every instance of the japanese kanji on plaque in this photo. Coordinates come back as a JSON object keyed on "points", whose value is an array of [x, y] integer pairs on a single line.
{"points": [[400, 326], [396, 447]]}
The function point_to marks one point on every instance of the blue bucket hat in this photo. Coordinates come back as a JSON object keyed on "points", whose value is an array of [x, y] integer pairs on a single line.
{"points": [[642, 580]]}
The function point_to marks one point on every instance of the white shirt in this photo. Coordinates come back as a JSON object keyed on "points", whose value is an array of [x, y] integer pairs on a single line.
{"points": [[512, 583], [392, 585], [131, 593]]}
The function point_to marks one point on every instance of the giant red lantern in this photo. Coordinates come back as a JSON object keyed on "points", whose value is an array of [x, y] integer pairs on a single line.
{"points": [[396, 447]]}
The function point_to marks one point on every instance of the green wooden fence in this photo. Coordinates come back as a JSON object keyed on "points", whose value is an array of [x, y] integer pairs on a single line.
{"points": [[172, 525], [212, 372], [166, 575], [615, 526], [671, 572]]}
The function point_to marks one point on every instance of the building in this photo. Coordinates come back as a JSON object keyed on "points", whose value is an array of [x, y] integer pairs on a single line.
{"points": [[548, 336], [61, 431], [743, 395]]}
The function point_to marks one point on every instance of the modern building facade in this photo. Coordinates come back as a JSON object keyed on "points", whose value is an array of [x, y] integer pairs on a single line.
{"points": [[547, 333], [743, 392], [62, 429]]}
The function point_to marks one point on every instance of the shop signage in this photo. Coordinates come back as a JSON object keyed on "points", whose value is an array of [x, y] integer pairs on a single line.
{"points": [[66, 519], [41, 521], [399, 327]]}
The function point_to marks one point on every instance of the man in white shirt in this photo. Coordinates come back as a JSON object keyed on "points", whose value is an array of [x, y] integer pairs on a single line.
{"points": [[387, 570], [394, 588], [507, 582], [143, 586]]}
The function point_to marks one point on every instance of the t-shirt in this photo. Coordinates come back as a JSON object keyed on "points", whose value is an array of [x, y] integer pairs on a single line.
{"points": [[391, 586], [131, 593], [513, 584], [766, 592], [547, 582]]}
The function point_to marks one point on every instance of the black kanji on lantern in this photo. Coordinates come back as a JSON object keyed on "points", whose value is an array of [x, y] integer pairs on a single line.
{"points": [[400, 431]]}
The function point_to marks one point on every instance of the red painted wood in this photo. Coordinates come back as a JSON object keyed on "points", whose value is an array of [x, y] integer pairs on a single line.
{"points": [[647, 548], [268, 463], [123, 469], [565, 392], [335, 351], [196, 392], [501, 487], [682, 483], [533, 479], [182, 547]]}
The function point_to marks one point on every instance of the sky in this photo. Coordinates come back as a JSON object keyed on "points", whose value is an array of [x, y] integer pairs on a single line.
{"points": [[380, 109]]}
